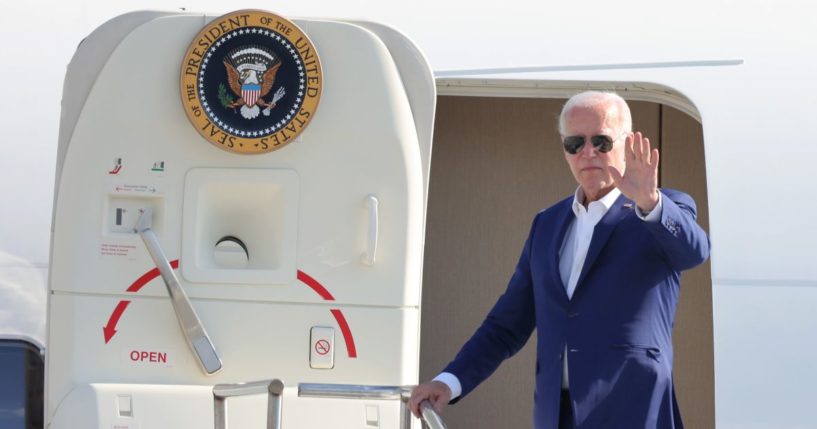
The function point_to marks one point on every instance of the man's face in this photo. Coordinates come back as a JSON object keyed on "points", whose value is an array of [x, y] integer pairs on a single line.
{"points": [[589, 166]]}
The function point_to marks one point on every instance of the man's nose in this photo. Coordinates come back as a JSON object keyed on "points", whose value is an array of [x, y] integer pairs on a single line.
{"points": [[588, 150]]}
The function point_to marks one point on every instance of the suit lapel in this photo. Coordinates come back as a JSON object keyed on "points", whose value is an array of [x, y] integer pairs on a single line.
{"points": [[601, 234], [564, 217]]}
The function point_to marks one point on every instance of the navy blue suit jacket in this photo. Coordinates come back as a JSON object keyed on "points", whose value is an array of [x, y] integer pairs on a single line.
{"points": [[617, 327]]}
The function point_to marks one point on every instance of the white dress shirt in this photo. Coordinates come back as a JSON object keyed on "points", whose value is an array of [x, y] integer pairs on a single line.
{"points": [[572, 256]]}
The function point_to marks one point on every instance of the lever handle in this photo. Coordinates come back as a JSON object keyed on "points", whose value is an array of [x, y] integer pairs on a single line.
{"points": [[197, 338]]}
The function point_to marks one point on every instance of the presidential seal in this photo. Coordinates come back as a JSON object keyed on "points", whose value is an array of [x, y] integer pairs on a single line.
{"points": [[250, 82]]}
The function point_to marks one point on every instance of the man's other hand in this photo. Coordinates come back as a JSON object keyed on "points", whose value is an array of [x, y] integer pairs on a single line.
{"points": [[436, 392]]}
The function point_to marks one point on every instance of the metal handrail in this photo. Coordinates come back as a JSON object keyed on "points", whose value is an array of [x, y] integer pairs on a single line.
{"points": [[274, 388], [430, 416], [352, 391]]}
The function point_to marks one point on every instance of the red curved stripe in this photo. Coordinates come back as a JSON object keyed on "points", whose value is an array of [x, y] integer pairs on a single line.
{"points": [[317, 287], [302, 276], [347, 333], [148, 276]]}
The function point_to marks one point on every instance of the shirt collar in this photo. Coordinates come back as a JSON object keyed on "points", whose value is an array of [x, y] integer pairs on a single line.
{"points": [[606, 201]]}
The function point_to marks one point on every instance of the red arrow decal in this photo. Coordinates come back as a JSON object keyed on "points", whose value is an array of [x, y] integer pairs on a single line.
{"points": [[148, 276], [351, 350], [315, 285], [109, 330]]}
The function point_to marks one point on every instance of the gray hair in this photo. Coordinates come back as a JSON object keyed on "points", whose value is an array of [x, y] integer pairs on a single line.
{"points": [[593, 98]]}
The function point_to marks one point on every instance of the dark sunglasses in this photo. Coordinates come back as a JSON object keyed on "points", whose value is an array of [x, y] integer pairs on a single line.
{"points": [[602, 143]]}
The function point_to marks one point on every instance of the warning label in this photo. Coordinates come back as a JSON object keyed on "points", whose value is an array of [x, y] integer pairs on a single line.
{"points": [[137, 189], [111, 249]]}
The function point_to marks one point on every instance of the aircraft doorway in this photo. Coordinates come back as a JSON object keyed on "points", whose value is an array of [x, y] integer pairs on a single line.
{"points": [[495, 163]]}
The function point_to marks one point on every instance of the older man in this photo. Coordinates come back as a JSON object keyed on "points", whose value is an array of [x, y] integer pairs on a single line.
{"points": [[599, 279]]}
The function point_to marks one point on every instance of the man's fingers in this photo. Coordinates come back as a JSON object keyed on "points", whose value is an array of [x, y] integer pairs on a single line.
{"points": [[638, 147], [645, 150], [654, 163], [414, 406], [418, 395], [438, 404], [628, 148], [437, 393]]}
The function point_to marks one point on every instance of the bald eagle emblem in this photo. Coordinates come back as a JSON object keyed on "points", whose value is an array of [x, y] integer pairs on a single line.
{"points": [[251, 74]]}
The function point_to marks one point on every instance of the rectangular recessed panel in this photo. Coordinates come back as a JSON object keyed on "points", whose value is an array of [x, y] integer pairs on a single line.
{"points": [[372, 416], [125, 405], [255, 207], [322, 348]]}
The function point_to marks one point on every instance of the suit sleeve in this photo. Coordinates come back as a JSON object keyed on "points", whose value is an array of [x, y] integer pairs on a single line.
{"points": [[684, 243], [504, 331]]}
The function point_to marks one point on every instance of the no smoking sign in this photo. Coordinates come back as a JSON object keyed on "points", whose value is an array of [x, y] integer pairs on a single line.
{"points": [[322, 347]]}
